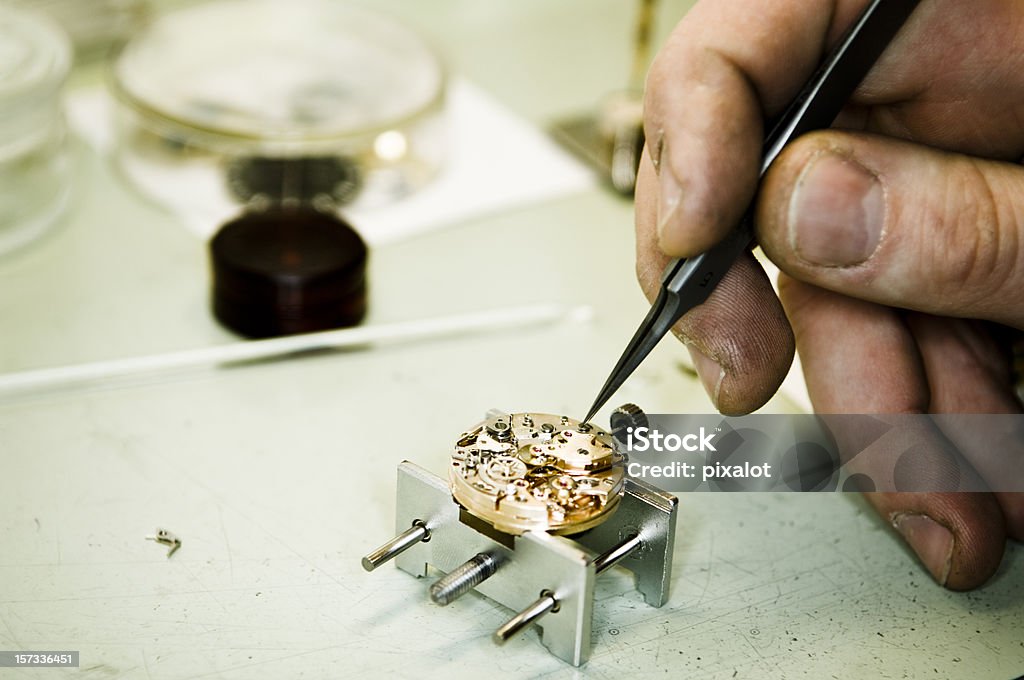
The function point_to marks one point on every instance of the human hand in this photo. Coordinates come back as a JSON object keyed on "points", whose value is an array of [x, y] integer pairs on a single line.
{"points": [[917, 204]]}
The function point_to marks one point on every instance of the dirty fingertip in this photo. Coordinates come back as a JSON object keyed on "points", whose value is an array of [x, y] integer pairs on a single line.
{"points": [[709, 371], [932, 542]]}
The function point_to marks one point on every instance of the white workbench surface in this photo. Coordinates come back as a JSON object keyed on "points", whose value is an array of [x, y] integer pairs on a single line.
{"points": [[279, 476]]}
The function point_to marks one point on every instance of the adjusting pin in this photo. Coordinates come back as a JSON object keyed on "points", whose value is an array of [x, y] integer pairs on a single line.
{"points": [[417, 533]]}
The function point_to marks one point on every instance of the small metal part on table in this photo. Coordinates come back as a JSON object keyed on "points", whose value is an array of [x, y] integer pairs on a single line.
{"points": [[164, 537], [547, 578]]}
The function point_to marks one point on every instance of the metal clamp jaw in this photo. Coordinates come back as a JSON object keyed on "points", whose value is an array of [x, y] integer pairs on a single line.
{"points": [[547, 578]]}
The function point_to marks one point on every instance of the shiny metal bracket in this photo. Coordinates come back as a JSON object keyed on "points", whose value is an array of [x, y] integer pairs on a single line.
{"points": [[544, 577]]}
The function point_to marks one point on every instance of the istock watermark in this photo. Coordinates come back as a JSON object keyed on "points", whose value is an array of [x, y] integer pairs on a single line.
{"points": [[878, 452], [646, 439]]}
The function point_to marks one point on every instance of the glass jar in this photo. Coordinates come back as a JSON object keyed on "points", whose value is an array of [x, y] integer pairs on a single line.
{"points": [[93, 25], [309, 101], [35, 56]]}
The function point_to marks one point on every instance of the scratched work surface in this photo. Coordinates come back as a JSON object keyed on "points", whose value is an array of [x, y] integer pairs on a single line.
{"points": [[279, 477], [277, 493]]}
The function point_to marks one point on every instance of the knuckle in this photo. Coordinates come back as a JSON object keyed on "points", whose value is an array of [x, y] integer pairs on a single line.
{"points": [[979, 256]]}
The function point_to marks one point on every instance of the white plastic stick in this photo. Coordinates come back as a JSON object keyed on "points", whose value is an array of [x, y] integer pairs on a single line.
{"points": [[488, 321]]}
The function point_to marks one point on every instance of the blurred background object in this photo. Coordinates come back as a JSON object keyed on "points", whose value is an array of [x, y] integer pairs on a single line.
{"points": [[611, 138], [287, 269], [93, 25], [35, 56], [234, 101]]}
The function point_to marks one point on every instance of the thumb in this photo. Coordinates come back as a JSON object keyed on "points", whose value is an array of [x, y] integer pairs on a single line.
{"points": [[898, 224]]}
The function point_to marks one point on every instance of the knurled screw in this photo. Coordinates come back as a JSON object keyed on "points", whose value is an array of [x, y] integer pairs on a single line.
{"points": [[463, 578]]}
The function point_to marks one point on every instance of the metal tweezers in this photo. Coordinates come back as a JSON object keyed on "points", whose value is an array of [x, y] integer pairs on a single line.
{"points": [[688, 282]]}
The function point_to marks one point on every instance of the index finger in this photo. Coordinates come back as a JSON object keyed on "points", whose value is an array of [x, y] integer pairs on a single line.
{"points": [[728, 66]]}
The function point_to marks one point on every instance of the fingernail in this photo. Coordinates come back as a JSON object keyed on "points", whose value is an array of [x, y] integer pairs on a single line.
{"points": [[669, 196], [709, 371], [932, 542], [836, 213]]}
